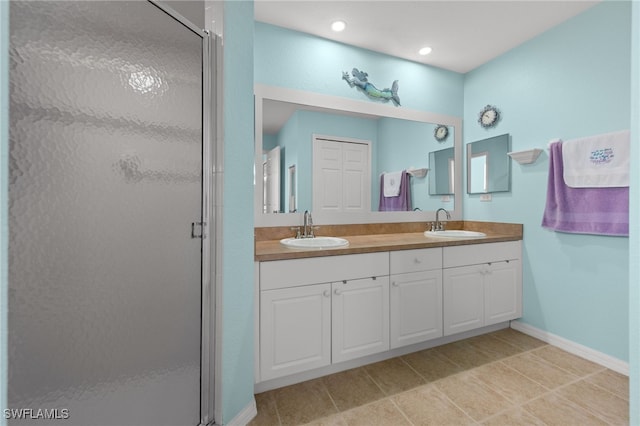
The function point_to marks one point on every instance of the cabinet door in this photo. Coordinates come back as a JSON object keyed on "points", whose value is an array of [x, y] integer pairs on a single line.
{"points": [[360, 318], [463, 295], [295, 330], [415, 307], [503, 292]]}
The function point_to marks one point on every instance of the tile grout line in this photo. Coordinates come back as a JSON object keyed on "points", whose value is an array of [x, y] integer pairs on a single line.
{"points": [[400, 409]]}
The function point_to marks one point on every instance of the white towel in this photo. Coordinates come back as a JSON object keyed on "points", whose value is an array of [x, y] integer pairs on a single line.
{"points": [[600, 161], [392, 183]]}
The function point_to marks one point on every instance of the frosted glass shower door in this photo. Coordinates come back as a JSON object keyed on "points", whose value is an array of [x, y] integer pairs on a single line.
{"points": [[106, 142]]}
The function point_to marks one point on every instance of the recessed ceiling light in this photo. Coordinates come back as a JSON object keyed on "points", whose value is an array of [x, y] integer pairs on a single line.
{"points": [[425, 51], [338, 26]]}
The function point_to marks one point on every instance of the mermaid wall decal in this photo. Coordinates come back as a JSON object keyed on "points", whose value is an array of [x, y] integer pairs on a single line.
{"points": [[361, 81]]}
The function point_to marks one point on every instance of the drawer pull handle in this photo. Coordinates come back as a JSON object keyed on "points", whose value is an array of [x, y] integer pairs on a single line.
{"points": [[344, 281], [326, 293], [416, 260], [395, 284], [374, 278], [338, 292]]}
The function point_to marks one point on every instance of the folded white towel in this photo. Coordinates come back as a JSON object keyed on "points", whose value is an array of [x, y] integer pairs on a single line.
{"points": [[598, 161], [392, 184]]}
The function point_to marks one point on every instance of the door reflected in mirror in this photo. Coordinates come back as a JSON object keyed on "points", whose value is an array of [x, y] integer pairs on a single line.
{"points": [[488, 165]]}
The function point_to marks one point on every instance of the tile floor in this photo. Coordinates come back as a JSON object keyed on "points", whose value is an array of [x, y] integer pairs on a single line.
{"points": [[500, 378]]}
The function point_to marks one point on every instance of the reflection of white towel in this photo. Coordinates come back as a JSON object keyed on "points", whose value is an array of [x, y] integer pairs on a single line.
{"points": [[392, 184], [597, 161]]}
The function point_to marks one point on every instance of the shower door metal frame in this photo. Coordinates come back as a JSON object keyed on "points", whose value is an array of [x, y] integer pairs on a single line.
{"points": [[207, 344]]}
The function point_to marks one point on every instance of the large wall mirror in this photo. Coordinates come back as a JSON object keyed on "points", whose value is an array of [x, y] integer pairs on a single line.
{"points": [[327, 155], [488, 165]]}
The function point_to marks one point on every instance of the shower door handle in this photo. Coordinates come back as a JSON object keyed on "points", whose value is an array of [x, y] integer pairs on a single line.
{"points": [[193, 229]]}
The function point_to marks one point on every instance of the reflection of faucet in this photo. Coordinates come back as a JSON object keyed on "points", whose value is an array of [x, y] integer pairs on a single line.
{"points": [[308, 225], [439, 226]]}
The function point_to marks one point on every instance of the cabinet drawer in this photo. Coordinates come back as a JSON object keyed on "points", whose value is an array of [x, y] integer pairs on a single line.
{"points": [[480, 253], [297, 272], [404, 261]]}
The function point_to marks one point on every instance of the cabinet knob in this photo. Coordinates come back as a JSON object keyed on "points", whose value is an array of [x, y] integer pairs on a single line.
{"points": [[416, 260], [395, 284], [344, 281], [337, 292], [326, 293]]}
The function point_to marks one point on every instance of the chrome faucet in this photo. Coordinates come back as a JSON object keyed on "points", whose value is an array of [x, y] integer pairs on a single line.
{"points": [[439, 226], [308, 225]]}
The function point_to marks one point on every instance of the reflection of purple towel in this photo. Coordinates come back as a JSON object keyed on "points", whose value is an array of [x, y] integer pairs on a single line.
{"points": [[402, 202], [601, 211]]}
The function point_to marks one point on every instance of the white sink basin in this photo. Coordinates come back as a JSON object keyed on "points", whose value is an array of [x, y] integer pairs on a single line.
{"points": [[315, 243], [454, 233]]}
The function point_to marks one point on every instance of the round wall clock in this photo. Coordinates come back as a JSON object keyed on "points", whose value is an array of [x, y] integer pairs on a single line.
{"points": [[441, 132], [489, 116]]}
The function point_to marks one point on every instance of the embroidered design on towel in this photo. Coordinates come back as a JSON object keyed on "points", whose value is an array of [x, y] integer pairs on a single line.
{"points": [[601, 156]]}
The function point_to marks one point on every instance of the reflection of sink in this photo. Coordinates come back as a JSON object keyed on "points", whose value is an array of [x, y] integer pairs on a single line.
{"points": [[454, 233], [315, 243]]}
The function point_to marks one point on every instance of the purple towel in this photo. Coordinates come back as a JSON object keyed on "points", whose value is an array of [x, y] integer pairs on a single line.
{"points": [[600, 211], [402, 202]]}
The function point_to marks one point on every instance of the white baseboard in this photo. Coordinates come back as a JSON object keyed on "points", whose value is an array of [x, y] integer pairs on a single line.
{"points": [[582, 351], [246, 415]]}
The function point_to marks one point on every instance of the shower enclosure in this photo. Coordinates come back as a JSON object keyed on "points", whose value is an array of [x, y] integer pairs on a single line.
{"points": [[109, 293]]}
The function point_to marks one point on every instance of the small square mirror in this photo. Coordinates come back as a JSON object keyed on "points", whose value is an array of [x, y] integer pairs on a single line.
{"points": [[488, 165]]}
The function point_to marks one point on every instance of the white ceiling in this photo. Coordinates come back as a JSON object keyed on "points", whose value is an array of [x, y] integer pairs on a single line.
{"points": [[463, 34]]}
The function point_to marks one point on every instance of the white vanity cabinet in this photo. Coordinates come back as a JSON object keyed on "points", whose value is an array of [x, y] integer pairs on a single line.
{"points": [[298, 299], [415, 296], [360, 314], [295, 329], [482, 285]]}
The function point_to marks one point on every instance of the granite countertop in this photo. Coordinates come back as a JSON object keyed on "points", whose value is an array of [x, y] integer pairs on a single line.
{"points": [[270, 249]]}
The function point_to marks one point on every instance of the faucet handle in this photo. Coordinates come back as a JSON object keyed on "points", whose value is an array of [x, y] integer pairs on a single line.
{"points": [[311, 229], [297, 229]]}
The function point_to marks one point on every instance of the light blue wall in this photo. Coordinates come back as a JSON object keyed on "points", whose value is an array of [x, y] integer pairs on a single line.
{"points": [[300, 61], [634, 231], [237, 257], [571, 81]]}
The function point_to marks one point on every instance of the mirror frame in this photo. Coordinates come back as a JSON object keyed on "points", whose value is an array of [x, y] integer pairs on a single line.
{"points": [[336, 103]]}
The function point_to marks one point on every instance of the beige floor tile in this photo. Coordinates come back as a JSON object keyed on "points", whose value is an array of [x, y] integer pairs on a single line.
{"points": [[615, 383], [464, 354], [382, 413], [573, 364], [394, 376], [494, 347], [352, 388], [267, 412], [554, 410], [431, 364], [334, 420], [539, 370], [518, 339], [600, 402], [509, 383], [514, 417], [472, 395], [427, 405], [303, 402]]}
